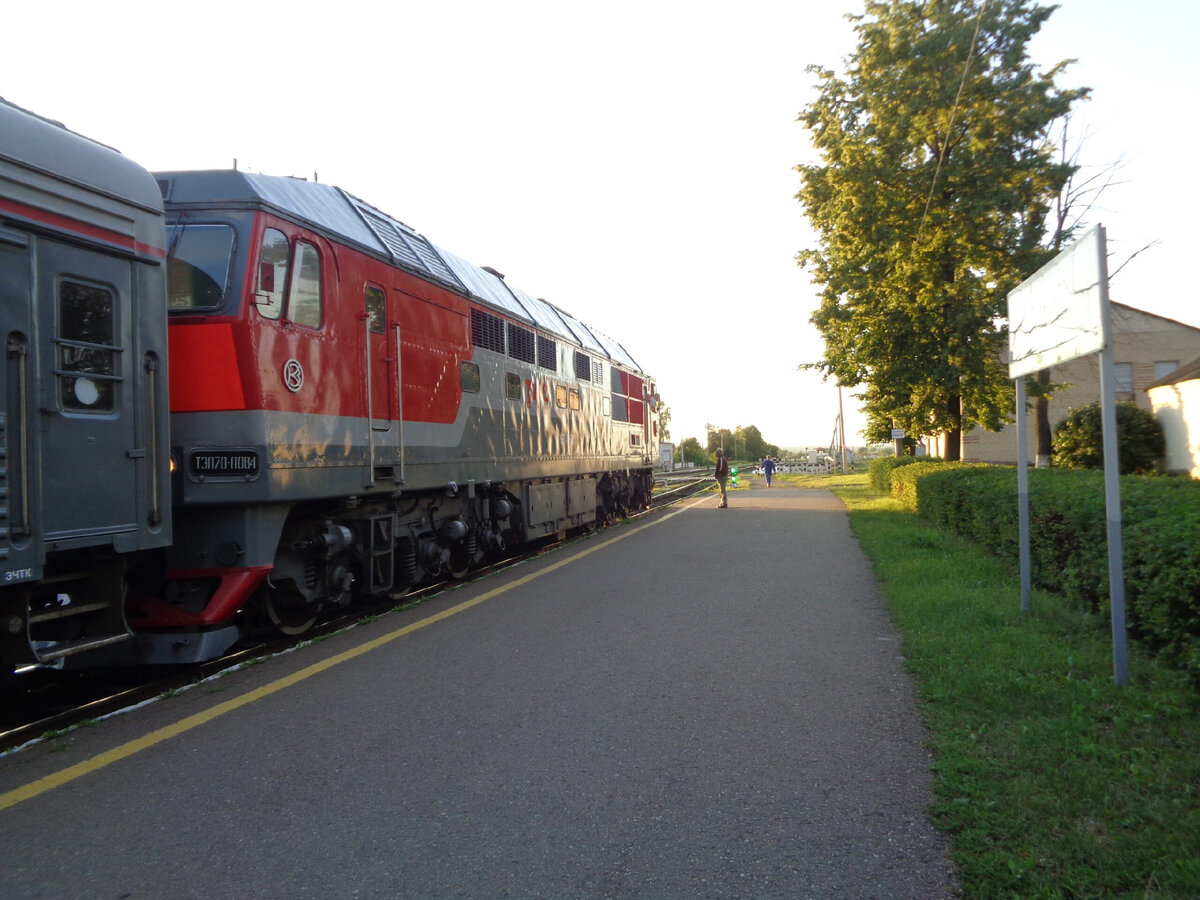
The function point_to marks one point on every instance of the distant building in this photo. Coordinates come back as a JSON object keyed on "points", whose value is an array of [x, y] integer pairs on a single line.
{"points": [[1175, 399], [666, 456], [1146, 349]]}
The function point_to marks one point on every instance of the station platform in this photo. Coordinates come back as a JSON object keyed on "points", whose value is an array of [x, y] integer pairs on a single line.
{"points": [[701, 703]]}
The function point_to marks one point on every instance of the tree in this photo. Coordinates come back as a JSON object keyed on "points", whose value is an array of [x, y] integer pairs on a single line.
{"points": [[741, 443], [930, 204], [664, 423], [719, 437], [1079, 439], [690, 451], [749, 441]]}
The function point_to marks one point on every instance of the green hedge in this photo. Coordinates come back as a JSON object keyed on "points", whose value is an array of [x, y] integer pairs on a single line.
{"points": [[1069, 540], [879, 470], [906, 483]]}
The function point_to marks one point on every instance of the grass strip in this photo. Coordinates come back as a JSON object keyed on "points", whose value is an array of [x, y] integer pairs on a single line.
{"points": [[1052, 781]]}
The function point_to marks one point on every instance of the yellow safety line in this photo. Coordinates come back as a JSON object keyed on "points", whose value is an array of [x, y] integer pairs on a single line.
{"points": [[95, 763]]}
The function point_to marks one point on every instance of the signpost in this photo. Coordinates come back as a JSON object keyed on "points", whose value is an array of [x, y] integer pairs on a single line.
{"points": [[1060, 313]]}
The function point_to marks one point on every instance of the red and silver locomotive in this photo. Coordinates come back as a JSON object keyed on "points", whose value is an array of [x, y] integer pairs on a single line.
{"points": [[352, 410]]}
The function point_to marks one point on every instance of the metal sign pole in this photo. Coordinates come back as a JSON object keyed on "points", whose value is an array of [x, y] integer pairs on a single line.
{"points": [[1112, 481], [1023, 494]]}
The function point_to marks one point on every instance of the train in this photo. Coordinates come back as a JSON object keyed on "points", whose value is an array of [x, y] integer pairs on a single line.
{"points": [[235, 402]]}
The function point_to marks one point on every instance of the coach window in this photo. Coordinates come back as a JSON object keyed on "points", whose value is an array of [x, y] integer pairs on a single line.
{"points": [[87, 356], [272, 274], [468, 376], [512, 386], [304, 298]]}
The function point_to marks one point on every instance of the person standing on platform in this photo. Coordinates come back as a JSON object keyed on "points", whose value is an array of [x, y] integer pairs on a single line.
{"points": [[768, 467], [722, 476]]}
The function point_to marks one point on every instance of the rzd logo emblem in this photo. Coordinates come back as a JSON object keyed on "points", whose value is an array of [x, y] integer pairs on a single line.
{"points": [[293, 375]]}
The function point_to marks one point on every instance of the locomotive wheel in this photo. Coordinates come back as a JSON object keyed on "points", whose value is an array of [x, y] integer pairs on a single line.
{"points": [[459, 563], [289, 611]]}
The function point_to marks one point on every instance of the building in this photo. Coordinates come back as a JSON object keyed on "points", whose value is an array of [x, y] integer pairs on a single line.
{"points": [[1175, 400], [1146, 349]]}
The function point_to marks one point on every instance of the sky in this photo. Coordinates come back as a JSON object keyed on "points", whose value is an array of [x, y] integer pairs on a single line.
{"points": [[631, 161]]}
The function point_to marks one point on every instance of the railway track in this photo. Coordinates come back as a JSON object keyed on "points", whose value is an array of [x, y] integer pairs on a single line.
{"points": [[49, 703]]}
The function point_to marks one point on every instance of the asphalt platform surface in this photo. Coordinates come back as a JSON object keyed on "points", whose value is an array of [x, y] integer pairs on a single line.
{"points": [[704, 703]]}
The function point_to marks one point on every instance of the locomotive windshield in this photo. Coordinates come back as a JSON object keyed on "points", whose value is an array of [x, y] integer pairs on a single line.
{"points": [[198, 264]]}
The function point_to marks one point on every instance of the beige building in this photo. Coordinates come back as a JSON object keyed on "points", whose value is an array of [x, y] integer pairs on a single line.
{"points": [[1146, 349], [1175, 400]]}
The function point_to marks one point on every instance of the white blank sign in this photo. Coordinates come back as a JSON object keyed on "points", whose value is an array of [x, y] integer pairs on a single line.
{"points": [[1055, 314]]}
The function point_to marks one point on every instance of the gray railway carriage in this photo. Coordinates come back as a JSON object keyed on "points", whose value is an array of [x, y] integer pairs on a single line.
{"points": [[84, 444], [355, 410]]}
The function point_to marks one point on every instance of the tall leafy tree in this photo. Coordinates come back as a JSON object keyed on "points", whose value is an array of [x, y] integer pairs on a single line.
{"points": [[930, 201]]}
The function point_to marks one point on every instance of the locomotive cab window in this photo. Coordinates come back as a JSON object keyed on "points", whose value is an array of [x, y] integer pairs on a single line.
{"points": [[298, 273], [272, 274], [87, 355], [304, 298], [198, 264]]}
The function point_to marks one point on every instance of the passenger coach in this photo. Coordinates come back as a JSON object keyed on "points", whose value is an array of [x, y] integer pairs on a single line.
{"points": [[84, 488]]}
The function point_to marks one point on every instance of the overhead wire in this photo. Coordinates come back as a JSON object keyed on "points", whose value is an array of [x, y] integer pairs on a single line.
{"points": [[953, 112]]}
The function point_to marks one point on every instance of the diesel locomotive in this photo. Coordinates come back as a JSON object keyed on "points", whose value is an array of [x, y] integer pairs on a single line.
{"points": [[352, 409]]}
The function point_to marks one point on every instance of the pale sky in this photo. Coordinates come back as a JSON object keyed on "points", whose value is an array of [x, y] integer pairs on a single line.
{"points": [[630, 161]]}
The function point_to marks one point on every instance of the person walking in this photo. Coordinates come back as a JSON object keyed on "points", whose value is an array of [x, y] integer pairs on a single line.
{"points": [[768, 467], [722, 476]]}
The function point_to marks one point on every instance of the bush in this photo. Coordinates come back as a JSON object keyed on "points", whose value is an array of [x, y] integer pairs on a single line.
{"points": [[1069, 541], [1079, 442], [905, 482], [880, 470]]}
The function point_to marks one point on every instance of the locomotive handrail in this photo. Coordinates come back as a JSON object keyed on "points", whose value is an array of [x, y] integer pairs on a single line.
{"points": [[16, 347], [399, 404], [151, 364], [370, 479]]}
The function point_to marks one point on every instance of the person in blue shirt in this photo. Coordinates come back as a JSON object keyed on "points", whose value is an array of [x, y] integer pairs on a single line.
{"points": [[768, 467]]}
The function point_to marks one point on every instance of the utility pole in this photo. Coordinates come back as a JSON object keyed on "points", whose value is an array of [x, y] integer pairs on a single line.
{"points": [[841, 429]]}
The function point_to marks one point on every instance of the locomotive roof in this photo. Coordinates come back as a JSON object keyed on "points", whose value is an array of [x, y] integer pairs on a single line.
{"points": [[49, 148], [339, 213]]}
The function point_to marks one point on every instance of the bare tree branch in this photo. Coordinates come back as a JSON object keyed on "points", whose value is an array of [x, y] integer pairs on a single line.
{"points": [[1132, 257]]}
